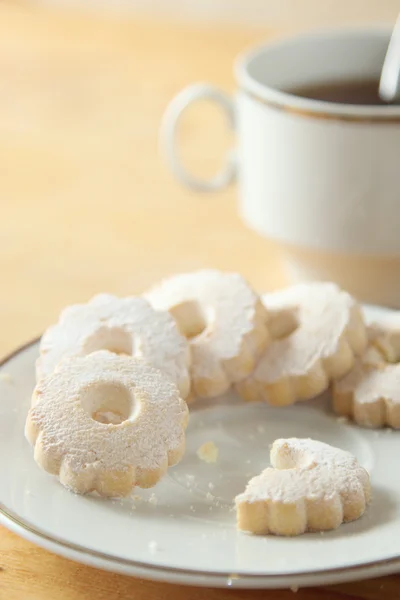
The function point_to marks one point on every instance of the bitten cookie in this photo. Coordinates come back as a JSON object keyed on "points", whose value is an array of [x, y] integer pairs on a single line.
{"points": [[299, 365], [311, 487], [106, 423], [123, 326], [224, 320]]}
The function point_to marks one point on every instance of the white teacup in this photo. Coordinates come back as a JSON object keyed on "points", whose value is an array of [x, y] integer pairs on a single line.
{"points": [[321, 178]]}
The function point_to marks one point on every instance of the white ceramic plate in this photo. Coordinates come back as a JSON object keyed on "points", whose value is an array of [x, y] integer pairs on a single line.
{"points": [[184, 529]]}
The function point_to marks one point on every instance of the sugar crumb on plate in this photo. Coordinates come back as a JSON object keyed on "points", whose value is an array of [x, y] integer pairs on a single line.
{"points": [[153, 499]]}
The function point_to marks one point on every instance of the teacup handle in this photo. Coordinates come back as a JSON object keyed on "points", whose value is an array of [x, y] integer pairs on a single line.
{"points": [[169, 126]]}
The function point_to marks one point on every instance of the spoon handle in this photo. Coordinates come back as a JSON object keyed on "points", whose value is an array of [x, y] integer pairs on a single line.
{"points": [[389, 84]]}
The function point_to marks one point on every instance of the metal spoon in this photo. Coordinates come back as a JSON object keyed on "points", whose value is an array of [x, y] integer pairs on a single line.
{"points": [[389, 84]]}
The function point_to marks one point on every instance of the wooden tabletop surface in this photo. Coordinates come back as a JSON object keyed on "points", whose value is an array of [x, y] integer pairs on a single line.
{"points": [[87, 206]]}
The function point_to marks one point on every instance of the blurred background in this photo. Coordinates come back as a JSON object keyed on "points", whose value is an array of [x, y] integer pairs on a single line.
{"points": [[87, 203], [259, 13]]}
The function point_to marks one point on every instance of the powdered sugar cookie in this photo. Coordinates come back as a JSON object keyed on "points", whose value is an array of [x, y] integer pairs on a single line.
{"points": [[330, 332], [370, 393], [384, 334], [372, 355], [121, 325], [106, 423], [224, 320], [311, 487]]}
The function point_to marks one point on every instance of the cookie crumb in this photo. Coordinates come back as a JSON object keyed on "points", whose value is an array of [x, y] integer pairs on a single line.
{"points": [[192, 508], [153, 500], [153, 547], [208, 452], [211, 485], [6, 378], [294, 589]]}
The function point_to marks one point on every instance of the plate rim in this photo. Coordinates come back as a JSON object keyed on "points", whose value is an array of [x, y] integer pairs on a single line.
{"points": [[149, 570]]}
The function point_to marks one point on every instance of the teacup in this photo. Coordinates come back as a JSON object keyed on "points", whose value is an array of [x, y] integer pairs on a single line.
{"points": [[321, 178]]}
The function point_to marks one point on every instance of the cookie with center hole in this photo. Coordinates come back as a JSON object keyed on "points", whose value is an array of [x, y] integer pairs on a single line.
{"points": [[120, 325], [224, 320], [320, 331], [105, 423]]}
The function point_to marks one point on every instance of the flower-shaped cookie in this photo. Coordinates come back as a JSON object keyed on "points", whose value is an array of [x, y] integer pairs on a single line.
{"points": [[370, 393], [224, 320], [123, 326], [299, 365], [106, 423]]}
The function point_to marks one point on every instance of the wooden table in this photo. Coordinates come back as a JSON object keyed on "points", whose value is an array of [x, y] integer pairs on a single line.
{"points": [[88, 206]]}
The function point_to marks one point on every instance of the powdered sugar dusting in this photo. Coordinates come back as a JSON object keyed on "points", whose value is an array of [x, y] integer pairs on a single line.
{"points": [[370, 393], [384, 335], [307, 469], [69, 438], [329, 335], [122, 325], [323, 313], [370, 384], [232, 318]]}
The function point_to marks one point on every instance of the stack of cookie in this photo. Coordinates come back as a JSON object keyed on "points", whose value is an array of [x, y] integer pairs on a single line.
{"points": [[114, 375], [108, 411]]}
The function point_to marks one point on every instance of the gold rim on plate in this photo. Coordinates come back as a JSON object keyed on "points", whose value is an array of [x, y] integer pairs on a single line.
{"points": [[392, 564]]}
